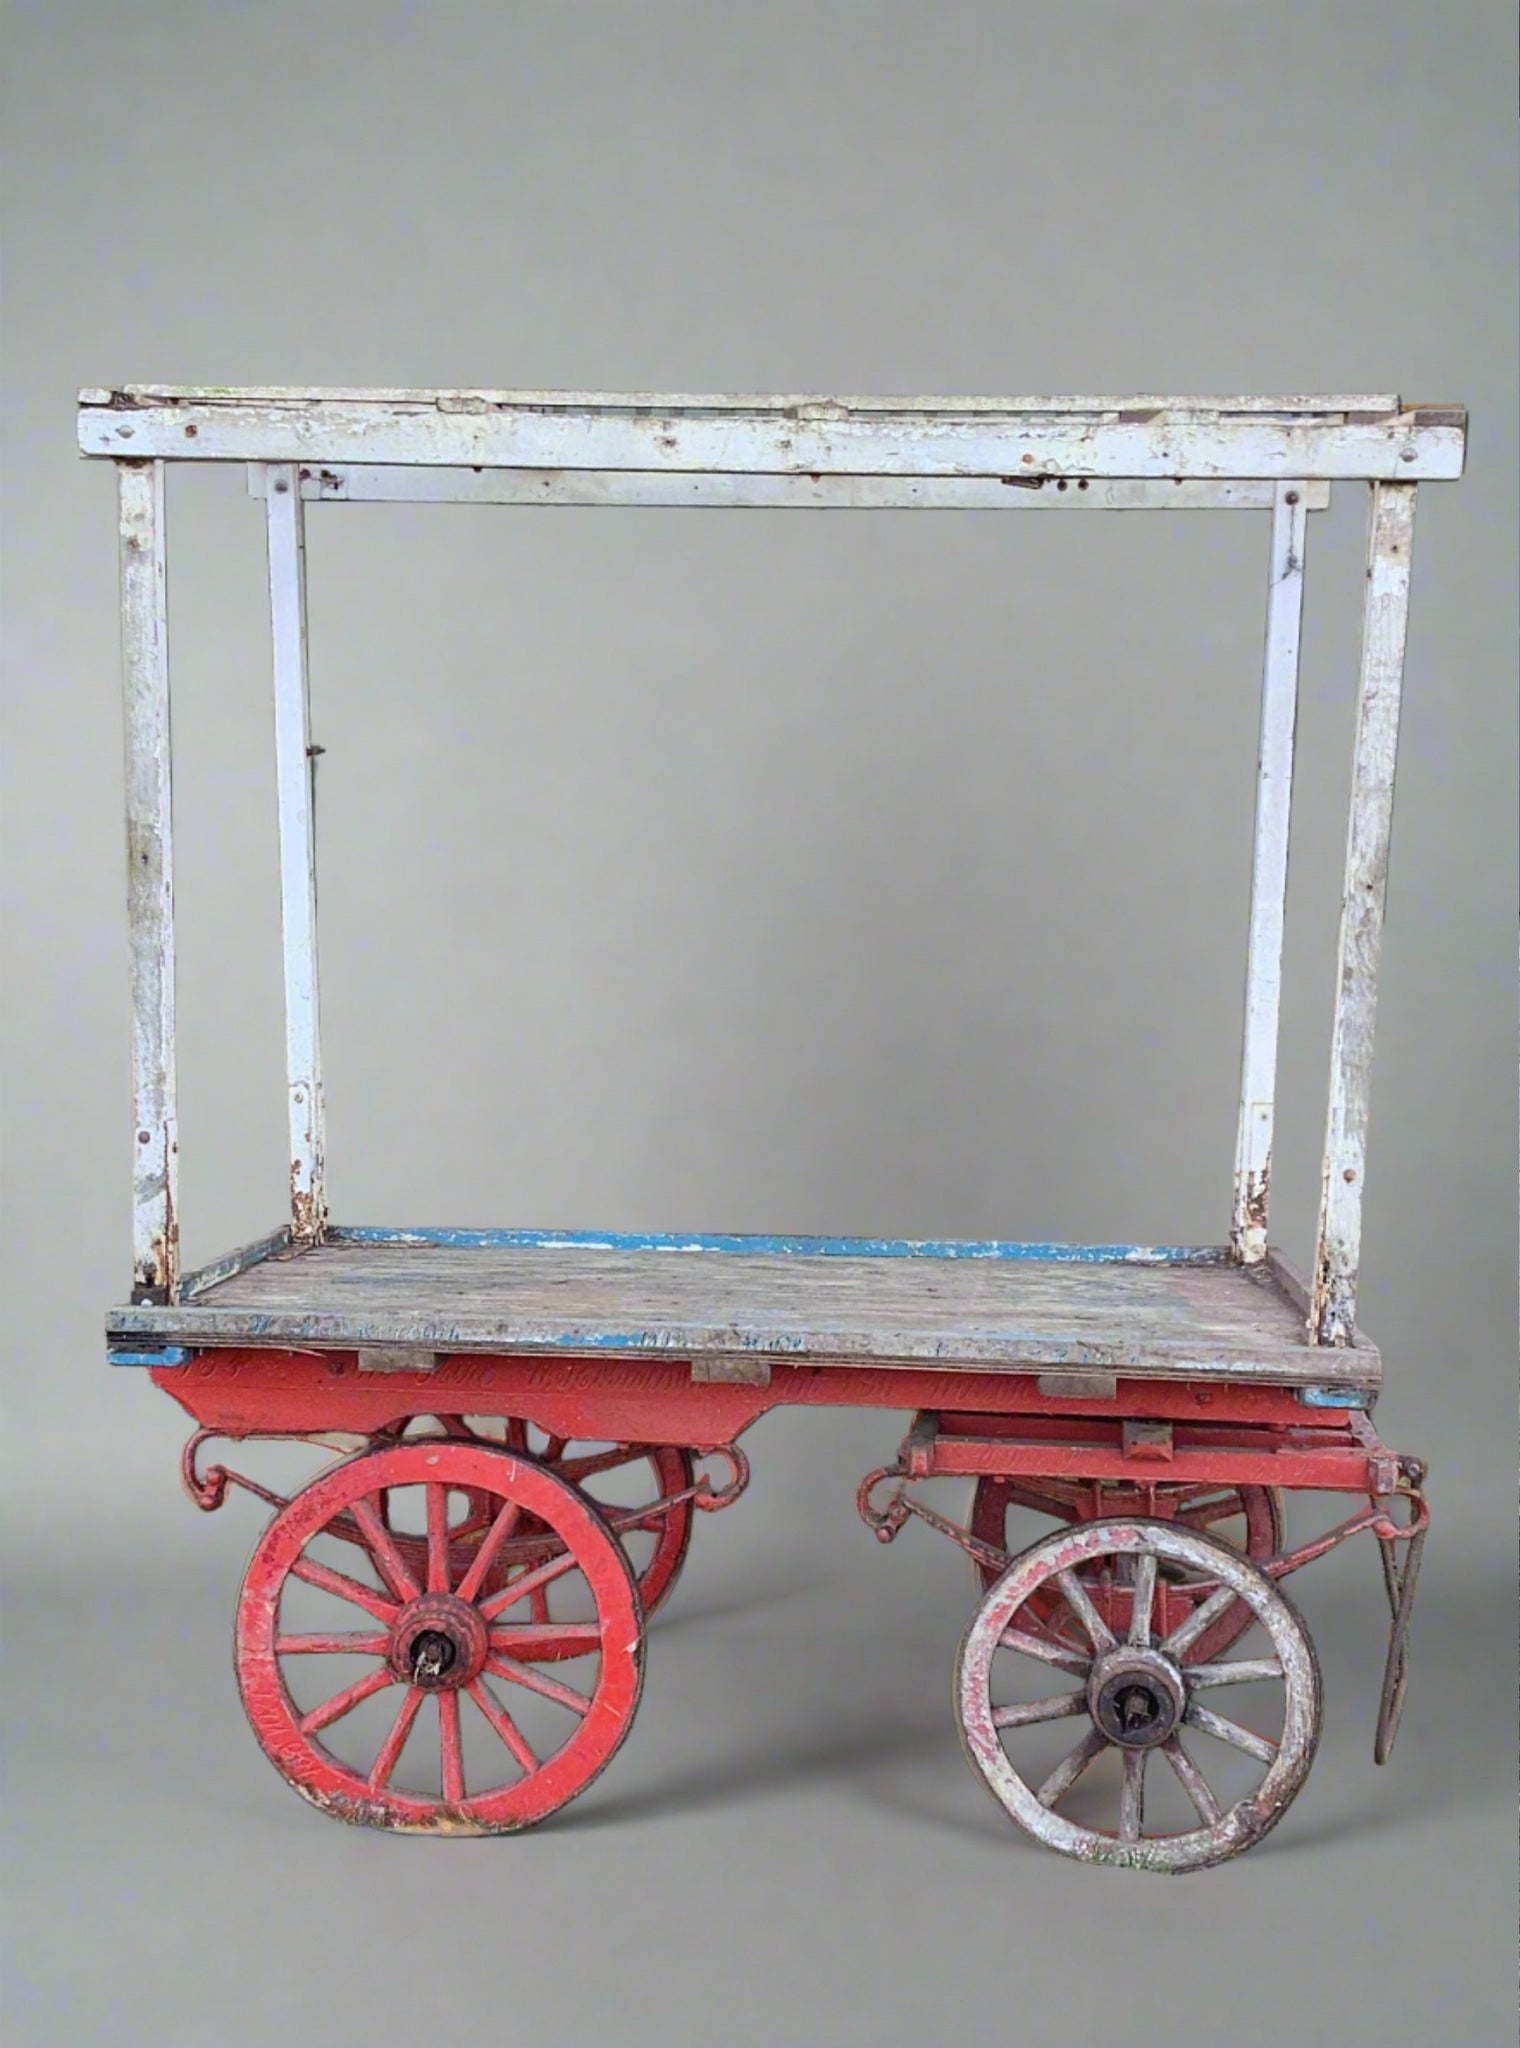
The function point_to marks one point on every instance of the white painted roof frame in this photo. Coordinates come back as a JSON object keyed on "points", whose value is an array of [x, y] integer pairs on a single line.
{"points": [[1016, 454]]}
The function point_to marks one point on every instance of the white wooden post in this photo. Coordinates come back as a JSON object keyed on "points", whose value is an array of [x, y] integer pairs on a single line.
{"points": [[150, 883], [298, 881], [1269, 875], [1384, 625]]}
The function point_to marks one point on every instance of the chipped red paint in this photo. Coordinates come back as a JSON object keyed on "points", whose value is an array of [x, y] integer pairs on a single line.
{"points": [[457, 1613], [1188, 1459], [1079, 1448], [246, 1392]]}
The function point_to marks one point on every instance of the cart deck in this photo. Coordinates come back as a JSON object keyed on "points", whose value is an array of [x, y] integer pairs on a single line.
{"points": [[1173, 1312]]}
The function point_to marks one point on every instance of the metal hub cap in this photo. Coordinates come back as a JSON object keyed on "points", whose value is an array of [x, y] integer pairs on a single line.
{"points": [[438, 1642], [1137, 1696]]}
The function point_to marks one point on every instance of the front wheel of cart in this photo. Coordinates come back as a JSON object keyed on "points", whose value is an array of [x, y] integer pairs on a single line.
{"points": [[394, 1690], [1134, 1699]]}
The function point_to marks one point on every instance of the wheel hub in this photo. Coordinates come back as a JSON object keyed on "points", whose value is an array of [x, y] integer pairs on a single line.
{"points": [[438, 1642], [1137, 1696]]}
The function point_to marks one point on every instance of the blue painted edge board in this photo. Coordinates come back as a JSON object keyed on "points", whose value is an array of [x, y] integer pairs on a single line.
{"points": [[1332, 1397], [789, 1247], [166, 1354]]}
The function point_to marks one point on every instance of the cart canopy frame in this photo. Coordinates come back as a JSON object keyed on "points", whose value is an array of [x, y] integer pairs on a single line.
{"points": [[1277, 455]]}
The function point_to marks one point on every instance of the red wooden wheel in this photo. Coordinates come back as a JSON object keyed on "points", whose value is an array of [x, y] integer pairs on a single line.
{"points": [[616, 1478], [1249, 1518], [528, 1743]]}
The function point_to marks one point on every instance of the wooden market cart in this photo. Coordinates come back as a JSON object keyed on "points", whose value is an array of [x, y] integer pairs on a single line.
{"points": [[443, 1631]]}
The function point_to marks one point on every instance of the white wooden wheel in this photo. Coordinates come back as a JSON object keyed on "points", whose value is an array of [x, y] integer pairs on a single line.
{"points": [[1132, 1692]]}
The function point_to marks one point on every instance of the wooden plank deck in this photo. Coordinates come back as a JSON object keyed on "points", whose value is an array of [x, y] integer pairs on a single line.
{"points": [[1176, 1314]]}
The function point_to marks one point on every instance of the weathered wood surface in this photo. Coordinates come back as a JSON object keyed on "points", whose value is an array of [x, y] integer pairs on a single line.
{"points": [[1385, 625], [379, 483], [818, 436], [1175, 1320], [456, 399], [298, 855], [1269, 878], [150, 881], [238, 1260]]}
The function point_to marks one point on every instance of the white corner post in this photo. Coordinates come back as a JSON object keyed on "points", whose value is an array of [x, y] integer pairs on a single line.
{"points": [[150, 883], [1269, 874], [298, 874], [1384, 628]]}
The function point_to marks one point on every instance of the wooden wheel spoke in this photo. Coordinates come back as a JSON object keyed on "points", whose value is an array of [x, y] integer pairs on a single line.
{"points": [[506, 1728], [395, 1742], [343, 1643], [1027, 1712], [535, 1681], [1238, 1671], [451, 1749], [1187, 1633], [437, 1538], [344, 1702], [344, 1529], [1132, 1796], [538, 1602], [1071, 1767], [592, 1463], [554, 1449], [524, 1638], [1144, 1597], [623, 1521], [525, 1587], [389, 1562], [1061, 1503], [1097, 1630], [1215, 1504], [1045, 1651], [1224, 1730], [328, 1581], [1193, 1782], [488, 1550]]}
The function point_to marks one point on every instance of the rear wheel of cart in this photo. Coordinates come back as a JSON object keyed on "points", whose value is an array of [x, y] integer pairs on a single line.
{"points": [[1186, 1784], [616, 1478], [391, 1674], [1248, 1517]]}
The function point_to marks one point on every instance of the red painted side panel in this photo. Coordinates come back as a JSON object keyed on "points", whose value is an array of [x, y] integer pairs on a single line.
{"points": [[240, 1393]]}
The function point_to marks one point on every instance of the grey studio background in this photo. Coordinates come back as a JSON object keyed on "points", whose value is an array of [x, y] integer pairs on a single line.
{"points": [[872, 874]]}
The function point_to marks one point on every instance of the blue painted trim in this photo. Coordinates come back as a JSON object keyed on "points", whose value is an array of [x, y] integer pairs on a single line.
{"points": [[791, 1247], [1333, 1397], [166, 1354]]}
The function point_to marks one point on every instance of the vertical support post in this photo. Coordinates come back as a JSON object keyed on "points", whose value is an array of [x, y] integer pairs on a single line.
{"points": [[1384, 627], [1269, 876], [298, 877], [150, 882]]}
